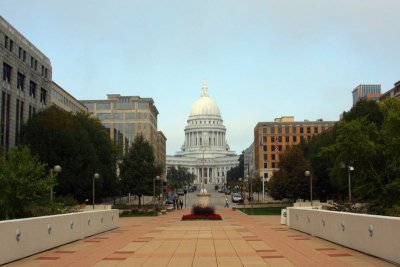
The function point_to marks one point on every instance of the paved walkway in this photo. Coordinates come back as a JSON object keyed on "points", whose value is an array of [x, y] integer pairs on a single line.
{"points": [[238, 240]]}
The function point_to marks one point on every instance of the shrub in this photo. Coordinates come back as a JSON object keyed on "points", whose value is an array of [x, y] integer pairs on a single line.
{"points": [[203, 210]]}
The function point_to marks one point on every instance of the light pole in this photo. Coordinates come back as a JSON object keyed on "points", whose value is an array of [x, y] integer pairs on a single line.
{"points": [[154, 194], [95, 176], [349, 169], [56, 169], [250, 192], [308, 174]]}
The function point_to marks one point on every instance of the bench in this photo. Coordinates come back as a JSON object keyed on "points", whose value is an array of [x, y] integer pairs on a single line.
{"points": [[170, 209], [163, 212]]}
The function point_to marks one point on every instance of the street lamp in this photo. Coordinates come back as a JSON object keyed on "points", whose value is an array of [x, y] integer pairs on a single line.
{"points": [[250, 192], [154, 194], [95, 176], [308, 174], [349, 169], [56, 169]]}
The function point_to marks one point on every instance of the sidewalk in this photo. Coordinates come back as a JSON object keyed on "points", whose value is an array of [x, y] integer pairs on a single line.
{"points": [[238, 240]]}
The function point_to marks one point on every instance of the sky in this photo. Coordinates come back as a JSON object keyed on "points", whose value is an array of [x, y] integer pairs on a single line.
{"points": [[261, 59]]}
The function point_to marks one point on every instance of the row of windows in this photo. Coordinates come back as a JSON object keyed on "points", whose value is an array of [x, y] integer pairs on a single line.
{"points": [[204, 122], [22, 55], [64, 100], [292, 129], [119, 105], [7, 70], [122, 116]]}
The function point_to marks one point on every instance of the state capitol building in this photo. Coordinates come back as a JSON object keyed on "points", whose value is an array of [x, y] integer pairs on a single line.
{"points": [[205, 145]]}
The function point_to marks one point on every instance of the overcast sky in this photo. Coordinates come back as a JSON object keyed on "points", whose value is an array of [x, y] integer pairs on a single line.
{"points": [[262, 59]]}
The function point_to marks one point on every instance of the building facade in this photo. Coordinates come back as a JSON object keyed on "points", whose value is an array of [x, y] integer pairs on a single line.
{"points": [[162, 153], [248, 161], [65, 101], [125, 117], [25, 83], [273, 138], [394, 92], [205, 151], [366, 91]]}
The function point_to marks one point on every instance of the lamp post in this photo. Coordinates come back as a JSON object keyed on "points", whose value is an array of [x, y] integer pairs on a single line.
{"points": [[250, 192], [349, 169], [154, 194], [308, 174], [56, 169], [95, 176]]}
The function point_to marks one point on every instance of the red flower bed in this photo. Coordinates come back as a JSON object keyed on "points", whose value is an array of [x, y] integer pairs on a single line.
{"points": [[201, 217]]}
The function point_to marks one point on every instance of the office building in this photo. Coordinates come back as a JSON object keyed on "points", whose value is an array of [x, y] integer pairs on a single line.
{"points": [[271, 139], [366, 91], [25, 83], [394, 92], [65, 101], [125, 117]]}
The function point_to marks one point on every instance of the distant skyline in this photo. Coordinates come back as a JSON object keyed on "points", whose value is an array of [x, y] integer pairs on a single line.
{"points": [[261, 59]]}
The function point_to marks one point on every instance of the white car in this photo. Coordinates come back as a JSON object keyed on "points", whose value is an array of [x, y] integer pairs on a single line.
{"points": [[237, 198]]}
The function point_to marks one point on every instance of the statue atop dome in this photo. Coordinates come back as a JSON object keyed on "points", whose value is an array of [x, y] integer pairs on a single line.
{"points": [[204, 88]]}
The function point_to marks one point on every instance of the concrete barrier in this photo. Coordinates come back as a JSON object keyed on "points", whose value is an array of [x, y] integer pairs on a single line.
{"points": [[24, 237], [375, 235]]}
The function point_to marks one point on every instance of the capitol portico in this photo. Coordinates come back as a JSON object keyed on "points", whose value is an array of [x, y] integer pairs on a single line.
{"points": [[205, 150]]}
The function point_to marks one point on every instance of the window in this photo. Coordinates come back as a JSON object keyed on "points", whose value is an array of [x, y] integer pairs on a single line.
{"points": [[45, 72], [24, 55], [265, 165], [279, 130], [264, 130], [273, 156], [20, 81], [315, 130], [130, 116], [294, 139], [43, 96], [139, 115], [6, 42], [273, 164], [102, 106], [142, 105], [145, 116], [11, 45], [35, 64], [308, 130], [103, 116], [19, 52], [32, 62], [272, 130], [301, 130], [272, 139], [6, 72], [272, 148], [287, 139], [294, 129], [42, 70], [286, 130]]}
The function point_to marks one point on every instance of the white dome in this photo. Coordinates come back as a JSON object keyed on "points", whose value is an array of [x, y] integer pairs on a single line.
{"points": [[205, 105]]}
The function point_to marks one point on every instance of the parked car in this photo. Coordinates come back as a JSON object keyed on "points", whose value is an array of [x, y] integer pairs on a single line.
{"points": [[180, 192], [237, 198], [227, 192], [169, 200], [220, 190]]}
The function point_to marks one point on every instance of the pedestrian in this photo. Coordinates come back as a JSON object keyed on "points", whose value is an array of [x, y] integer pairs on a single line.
{"points": [[181, 202], [226, 202], [175, 202]]}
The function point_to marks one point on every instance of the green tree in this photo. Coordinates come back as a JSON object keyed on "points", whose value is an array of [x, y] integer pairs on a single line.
{"points": [[177, 178], [80, 145], [233, 175], [24, 184], [138, 168], [289, 181]]}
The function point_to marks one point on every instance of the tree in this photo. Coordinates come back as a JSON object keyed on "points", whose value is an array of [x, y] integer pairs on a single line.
{"points": [[233, 175], [177, 178], [24, 184], [138, 168], [289, 181], [79, 144]]}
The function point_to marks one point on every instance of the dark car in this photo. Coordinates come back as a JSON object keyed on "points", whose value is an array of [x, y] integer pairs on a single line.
{"points": [[169, 200], [227, 192], [180, 192]]}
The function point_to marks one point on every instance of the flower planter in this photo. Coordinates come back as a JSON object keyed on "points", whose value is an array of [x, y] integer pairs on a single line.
{"points": [[191, 217]]}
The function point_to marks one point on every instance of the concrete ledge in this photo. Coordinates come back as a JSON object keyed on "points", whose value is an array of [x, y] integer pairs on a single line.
{"points": [[24, 237], [375, 235], [163, 212]]}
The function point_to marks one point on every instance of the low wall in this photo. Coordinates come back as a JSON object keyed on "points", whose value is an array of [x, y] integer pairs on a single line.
{"points": [[371, 234], [23, 237]]}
